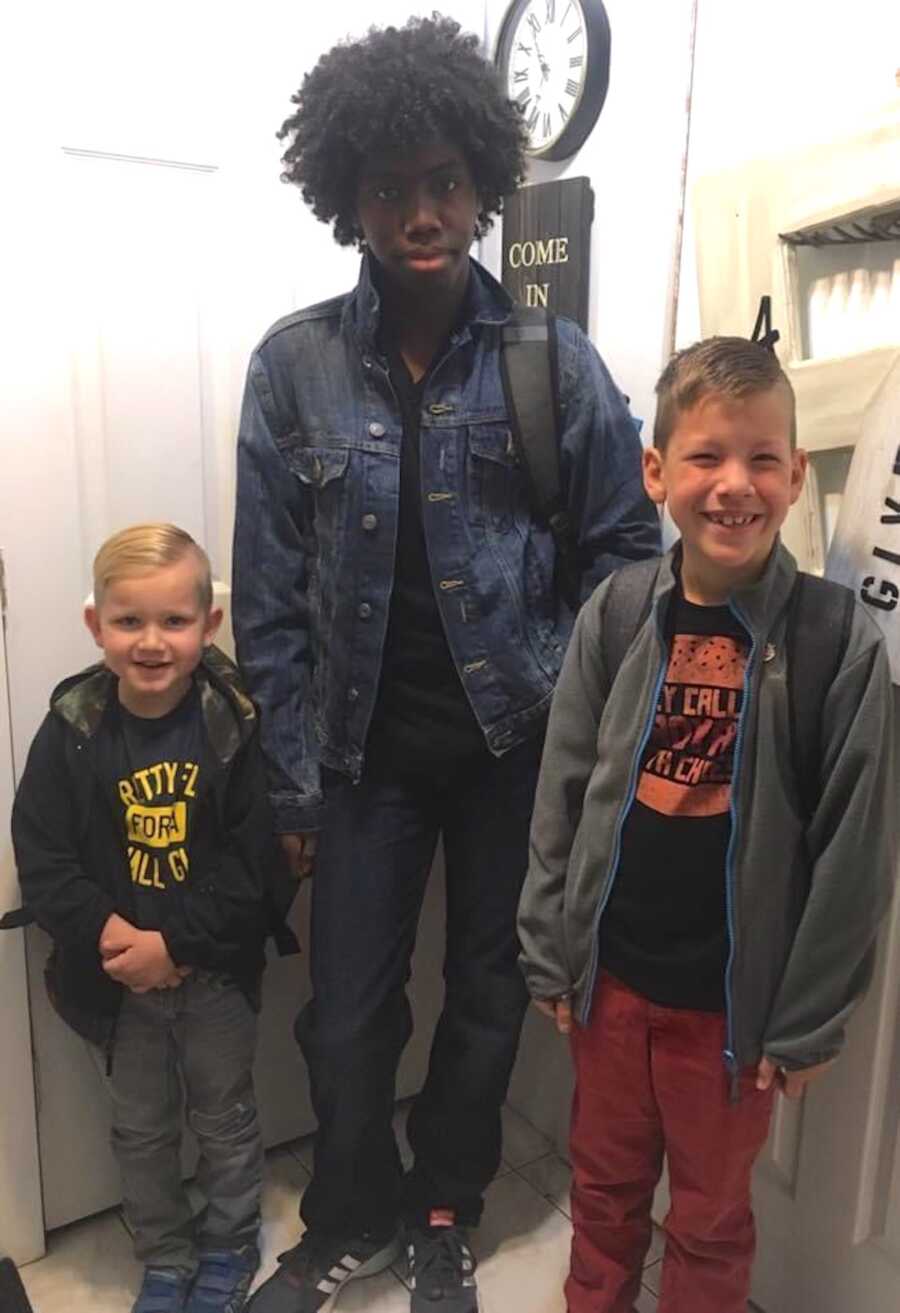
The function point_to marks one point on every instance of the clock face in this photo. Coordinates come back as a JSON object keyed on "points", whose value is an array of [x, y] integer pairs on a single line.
{"points": [[545, 62]]}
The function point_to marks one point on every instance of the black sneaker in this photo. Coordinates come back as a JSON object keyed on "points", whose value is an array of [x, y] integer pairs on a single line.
{"points": [[441, 1273], [314, 1270]]}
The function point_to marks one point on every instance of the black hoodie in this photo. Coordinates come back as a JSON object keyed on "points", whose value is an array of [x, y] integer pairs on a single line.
{"points": [[72, 861]]}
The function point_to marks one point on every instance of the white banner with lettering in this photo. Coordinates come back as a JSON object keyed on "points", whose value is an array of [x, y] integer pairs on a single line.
{"points": [[865, 550]]}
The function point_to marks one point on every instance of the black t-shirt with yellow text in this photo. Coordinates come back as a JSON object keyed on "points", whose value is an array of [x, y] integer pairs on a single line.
{"points": [[152, 769]]}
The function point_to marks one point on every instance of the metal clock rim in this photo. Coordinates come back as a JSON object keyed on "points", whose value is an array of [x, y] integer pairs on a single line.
{"points": [[592, 96]]}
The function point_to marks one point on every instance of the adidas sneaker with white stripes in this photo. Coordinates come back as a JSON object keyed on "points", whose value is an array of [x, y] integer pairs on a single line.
{"points": [[316, 1269]]}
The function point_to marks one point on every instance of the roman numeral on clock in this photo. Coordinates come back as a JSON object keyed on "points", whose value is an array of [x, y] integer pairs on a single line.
{"points": [[571, 88], [551, 11], [545, 126]]}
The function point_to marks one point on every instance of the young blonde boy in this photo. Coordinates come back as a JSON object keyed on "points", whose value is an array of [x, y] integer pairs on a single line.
{"points": [[701, 937], [143, 842]]}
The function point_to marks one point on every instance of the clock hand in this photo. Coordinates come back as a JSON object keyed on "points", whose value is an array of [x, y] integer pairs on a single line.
{"points": [[545, 67]]}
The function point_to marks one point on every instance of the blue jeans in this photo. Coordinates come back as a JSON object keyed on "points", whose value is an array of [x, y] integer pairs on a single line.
{"points": [[194, 1046], [372, 868]]}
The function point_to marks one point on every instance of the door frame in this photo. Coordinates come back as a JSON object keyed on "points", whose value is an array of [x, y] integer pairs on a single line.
{"points": [[21, 1203]]}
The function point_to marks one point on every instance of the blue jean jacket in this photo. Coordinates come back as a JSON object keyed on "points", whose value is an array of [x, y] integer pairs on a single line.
{"points": [[316, 524]]}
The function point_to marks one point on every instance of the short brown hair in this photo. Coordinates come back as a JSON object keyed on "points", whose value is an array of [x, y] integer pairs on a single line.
{"points": [[732, 367], [145, 547]]}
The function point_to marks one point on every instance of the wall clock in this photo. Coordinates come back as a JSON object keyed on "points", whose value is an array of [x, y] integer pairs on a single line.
{"points": [[553, 57]]}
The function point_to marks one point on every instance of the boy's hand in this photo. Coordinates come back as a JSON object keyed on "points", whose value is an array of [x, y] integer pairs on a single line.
{"points": [[177, 978], [144, 965], [559, 1010], [116, 935], [300, 851], [791, 1083]]}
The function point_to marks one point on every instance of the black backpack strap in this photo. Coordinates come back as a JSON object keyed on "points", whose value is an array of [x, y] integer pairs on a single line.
{"points": [[14, 920], [819, 620], [628, 602], [528, 369]]}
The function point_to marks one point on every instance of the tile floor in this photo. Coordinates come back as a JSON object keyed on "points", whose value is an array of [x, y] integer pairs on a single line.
{"points": [[522, 1243]]}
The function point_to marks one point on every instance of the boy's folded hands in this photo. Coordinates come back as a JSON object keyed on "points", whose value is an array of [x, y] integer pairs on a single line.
{"points": [[137, 958]]}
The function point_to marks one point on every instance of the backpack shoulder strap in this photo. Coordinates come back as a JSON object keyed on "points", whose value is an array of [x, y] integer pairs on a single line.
{"points": [[628, 602], [18, 917], [820, 616], [528, 369]]}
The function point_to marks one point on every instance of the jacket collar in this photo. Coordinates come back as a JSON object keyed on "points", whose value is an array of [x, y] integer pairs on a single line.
{"points": [[758, 604], [487, 302], [228, 714]]}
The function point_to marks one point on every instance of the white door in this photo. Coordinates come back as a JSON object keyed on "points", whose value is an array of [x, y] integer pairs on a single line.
{"points": [[21, 1217], [827, 1190], [150, 244]]}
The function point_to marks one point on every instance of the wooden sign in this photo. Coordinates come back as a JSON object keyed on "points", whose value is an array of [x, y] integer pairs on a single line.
{"points": [[546, 246]]}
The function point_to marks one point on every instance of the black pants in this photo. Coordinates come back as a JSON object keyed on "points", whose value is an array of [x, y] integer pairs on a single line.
{"points": [[373, 863]]}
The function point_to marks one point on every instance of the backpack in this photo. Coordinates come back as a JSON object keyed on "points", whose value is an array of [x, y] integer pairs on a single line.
{"points": [[529, 371], [819, 619]]}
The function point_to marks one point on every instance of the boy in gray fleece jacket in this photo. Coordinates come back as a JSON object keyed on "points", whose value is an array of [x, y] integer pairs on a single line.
{"points": [[702, 935]]}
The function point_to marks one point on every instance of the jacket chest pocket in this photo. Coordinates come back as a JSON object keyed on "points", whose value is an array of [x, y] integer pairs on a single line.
{"points": [[322, 472], [495, 480]]}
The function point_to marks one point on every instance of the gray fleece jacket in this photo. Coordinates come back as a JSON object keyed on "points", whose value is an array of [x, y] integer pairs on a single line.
{"points": [[804, 899]]}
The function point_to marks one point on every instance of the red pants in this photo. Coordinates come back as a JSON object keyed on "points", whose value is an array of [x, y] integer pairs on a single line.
{"points": [[650, 1080]]}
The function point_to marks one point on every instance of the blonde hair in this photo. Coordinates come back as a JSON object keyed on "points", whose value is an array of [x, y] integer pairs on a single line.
{"points": [[731, 367], [145, 547]]}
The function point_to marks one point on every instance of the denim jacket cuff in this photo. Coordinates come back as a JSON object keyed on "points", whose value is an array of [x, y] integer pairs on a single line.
{"points": [[296, 815]]}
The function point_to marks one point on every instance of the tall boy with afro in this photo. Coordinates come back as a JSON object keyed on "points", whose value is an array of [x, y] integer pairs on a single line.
{"points": [[398, 623]]}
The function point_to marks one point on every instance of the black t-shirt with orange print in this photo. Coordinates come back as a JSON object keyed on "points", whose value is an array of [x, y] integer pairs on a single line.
{"points": [[664, 930]]}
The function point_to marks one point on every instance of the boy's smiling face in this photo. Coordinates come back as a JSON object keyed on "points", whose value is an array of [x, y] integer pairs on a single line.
{"points": [[729, 477], [152, 628]]}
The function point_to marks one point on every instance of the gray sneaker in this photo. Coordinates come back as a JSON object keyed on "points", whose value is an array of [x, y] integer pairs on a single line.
{"points": [[318, 1267]]}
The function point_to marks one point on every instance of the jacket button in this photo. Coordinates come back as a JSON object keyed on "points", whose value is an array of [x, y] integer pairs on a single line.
{"points": [[369, 522], [364, 611], [376, 430], [352, 694]]}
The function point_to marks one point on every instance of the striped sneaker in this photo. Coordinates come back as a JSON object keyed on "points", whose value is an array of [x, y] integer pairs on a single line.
{"points": [[441, 1273], [316, 1269]]}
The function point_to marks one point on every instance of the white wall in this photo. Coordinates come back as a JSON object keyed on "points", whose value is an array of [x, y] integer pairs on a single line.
{"points": [[775, 76]]}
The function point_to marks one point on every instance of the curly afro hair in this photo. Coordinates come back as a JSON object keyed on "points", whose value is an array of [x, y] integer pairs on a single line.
{"points": [[397, 89]]}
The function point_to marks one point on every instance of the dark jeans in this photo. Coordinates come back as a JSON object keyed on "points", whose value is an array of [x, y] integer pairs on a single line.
{"points": [[372, 868]]}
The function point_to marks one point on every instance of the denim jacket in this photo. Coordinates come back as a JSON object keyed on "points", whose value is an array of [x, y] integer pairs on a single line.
{"points": [[316, 524]]}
